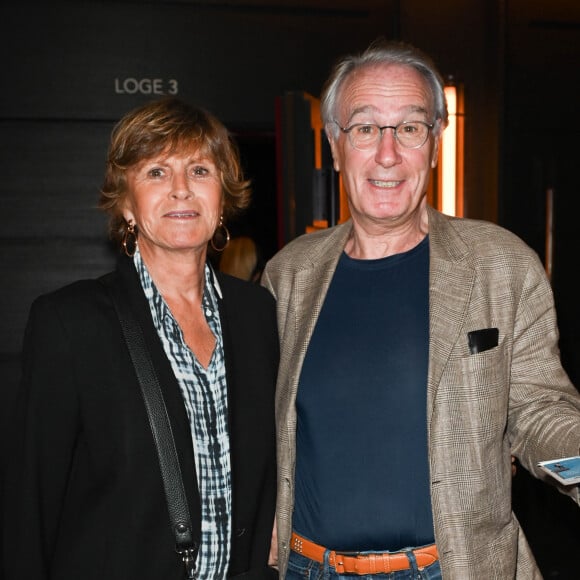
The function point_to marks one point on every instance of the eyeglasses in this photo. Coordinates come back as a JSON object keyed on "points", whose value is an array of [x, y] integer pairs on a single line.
{"points": [[409, 134]]}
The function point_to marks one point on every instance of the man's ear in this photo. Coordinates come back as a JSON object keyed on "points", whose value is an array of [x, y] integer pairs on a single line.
{"points": [[333, 149], [437, 138], [435, 152]]}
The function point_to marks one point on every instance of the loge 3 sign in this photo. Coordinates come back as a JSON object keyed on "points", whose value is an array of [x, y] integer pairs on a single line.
{"points": [[132, 86]]}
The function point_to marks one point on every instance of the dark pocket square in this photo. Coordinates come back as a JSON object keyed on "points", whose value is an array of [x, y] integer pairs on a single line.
{"points": [[483, 339]]}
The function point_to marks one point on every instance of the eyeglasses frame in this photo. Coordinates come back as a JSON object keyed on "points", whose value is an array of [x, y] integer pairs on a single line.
{"points": [[347, 131]]}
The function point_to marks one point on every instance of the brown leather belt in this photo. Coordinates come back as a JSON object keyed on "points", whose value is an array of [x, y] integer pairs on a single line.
{"points": [[353, 563]]}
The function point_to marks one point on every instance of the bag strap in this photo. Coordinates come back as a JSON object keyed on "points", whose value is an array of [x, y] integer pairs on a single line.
{"points": [[162, 433]]}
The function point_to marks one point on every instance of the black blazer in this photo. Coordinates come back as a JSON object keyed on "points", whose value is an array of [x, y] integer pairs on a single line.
{"points": [[84, 497]]}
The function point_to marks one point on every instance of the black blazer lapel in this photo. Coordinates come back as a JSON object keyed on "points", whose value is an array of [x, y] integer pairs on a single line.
{"points": [[128, 281]]}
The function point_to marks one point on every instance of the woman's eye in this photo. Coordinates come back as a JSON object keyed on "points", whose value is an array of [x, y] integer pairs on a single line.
{"points": [[200, 171], [156, 172]]}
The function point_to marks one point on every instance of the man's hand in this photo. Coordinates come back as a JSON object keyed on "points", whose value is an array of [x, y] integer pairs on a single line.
{"points": [[273, 557]]}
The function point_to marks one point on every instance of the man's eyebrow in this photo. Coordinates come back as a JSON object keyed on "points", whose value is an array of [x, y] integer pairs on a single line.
{"points": [[369, 108], [363, 109], [419, 109]]}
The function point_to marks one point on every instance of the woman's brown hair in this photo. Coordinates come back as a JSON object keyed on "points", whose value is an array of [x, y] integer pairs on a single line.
{"points": [[170, 125]]}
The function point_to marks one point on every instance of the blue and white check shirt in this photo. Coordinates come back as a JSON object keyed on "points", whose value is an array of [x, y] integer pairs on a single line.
{"points": [[204, 393]]}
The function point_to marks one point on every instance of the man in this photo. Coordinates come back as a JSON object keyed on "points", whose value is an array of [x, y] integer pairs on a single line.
{"points": [[419, 353]]}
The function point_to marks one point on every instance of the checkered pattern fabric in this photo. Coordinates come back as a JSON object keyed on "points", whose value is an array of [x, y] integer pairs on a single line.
{"points": [[204, 393]]}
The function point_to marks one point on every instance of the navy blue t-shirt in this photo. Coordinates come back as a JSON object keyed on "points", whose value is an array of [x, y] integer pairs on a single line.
{"points": [[362, 476]]}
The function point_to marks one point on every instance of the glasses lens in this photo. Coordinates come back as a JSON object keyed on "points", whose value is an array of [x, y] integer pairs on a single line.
{"points": [[412, 134], [364, 136]]}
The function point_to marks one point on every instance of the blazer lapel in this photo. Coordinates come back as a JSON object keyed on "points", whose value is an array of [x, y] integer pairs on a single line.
{"points": [[311, 286], [308, 288], [450, 284]]}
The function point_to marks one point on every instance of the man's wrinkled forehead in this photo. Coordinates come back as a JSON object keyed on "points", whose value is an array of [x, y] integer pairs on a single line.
{"points": [[373, 87]]}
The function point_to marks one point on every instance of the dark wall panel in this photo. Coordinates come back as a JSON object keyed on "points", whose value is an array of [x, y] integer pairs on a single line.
{"points": [[87, 59], [52, 172], [52, 232]]}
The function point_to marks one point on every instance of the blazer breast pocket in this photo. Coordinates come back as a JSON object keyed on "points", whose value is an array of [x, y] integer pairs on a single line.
{"points": [[482, 339]]}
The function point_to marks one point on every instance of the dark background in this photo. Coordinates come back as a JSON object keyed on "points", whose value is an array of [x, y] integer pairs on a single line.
{"points": [[71, 69]]}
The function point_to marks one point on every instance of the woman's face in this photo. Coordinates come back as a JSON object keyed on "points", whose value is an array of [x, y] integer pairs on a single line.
{"points": [[175, 199]]}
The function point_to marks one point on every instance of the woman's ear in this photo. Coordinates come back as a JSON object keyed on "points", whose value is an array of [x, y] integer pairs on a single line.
{"points": [[127, 210]]}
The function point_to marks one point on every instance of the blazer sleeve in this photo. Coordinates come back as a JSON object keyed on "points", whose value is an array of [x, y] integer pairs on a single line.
{"points": [[544, 417]]}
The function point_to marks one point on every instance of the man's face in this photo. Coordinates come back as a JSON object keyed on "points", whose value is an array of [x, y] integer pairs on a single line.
{"points": [[387, 183]]}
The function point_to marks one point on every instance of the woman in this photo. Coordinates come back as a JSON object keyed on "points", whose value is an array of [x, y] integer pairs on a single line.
{"points": [[85, 496]]}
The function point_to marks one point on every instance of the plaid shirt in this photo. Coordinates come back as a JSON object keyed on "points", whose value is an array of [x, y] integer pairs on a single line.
{"points": [[204, 393]]}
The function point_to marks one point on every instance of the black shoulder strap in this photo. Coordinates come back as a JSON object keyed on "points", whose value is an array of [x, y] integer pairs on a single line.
{"points": [[162, 433]]}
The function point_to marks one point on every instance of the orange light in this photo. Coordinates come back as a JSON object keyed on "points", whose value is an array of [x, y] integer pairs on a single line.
{"points": [[449, 156], [448, 196]]}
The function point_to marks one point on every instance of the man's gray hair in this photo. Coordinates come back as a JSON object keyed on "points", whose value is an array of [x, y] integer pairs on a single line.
{"points": [[382, 52]]}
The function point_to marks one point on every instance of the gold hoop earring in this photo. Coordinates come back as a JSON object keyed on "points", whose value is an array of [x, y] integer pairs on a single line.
{"points": [[225, 235], [130, 240]]}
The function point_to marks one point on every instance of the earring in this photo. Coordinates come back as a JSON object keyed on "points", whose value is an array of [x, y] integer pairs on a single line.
{"points": [[225, 235], [130, 240]]}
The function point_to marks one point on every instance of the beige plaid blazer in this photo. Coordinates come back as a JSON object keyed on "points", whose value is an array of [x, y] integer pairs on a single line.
{"points": [[511, 399]]}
